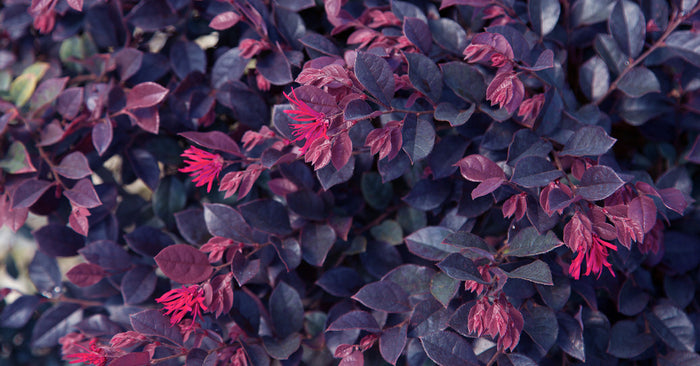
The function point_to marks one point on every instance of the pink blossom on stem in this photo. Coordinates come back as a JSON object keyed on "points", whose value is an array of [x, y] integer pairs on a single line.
{"points": [[179, 302], [316, 126], [204, 166], [92, 356], [251, 47], [596, 255]]}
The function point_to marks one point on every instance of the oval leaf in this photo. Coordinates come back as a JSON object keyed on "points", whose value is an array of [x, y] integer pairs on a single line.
{"points": [[145, 95], [184, 264]]}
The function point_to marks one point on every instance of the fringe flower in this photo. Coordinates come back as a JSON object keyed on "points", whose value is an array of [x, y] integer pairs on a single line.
{"points": [[315, 126], [204, 166], [179, 302]]}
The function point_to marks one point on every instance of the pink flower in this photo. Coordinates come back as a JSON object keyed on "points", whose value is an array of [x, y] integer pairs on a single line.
{"points": [[204, 166], [93, 356], [499, 318], [506, 90], [179, 302], [596, 257], [316, 126]]}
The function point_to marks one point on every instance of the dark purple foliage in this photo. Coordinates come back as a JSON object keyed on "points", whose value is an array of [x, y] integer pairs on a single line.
{"points": [[464, 182]]}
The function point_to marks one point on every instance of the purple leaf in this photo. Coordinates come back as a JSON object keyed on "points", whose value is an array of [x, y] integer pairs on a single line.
{"points": [[694, 153], [215, 140], [544, 15], [275, 68], [55, 323], [594, 78], [128, 62], [418, 135], [69, 102], [544, 61], [145, 95], [86, 274], [51, 134], [102, 135], [47, 92], [686, 44], [588, 140], [427, 243], [58, 240], [374, 73], [74, 166], [534, 171], [486, 187], [425, 76], [448, 348], [599, 182], [44, 273], [138, 284], [610, 52], [83, 194], [152, 323], [643, 210], [184, 264], [229, 66], [29, 192], [106, 254], [316, 242], [355, 320], [286, 310], [541, 325], [243, 269], [222, 220], [282, 349], [448, 34], [77, 5], [148, 241], [191, 226], [392, 342], [673, 327], [428, 194], [417, 31], [18, 313], [316, 98], [537, 272], [340, 281], [460, 268], [145, 166], [266, 215], [528, 242], [639, 81], [626, 340], [146, 118], [627, 25], [187, 57], [465, 80], [383, 296], [478, 168]]}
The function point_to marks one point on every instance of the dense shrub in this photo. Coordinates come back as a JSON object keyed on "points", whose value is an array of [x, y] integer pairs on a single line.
{"points": [[288, 182]]}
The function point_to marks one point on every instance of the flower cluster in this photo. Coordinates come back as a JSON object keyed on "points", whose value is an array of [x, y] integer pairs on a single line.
{"points": [[580, 237], [315, 126], [179, 302], [204, 166]]}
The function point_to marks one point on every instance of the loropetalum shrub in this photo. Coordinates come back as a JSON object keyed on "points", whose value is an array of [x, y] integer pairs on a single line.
{"points": [[460, 182]]}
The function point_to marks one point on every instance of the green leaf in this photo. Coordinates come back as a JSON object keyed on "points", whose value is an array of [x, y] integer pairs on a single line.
{"points": [[376, 194], [22, 88], [529, 242], [17, 160], [443, 288], [389, 231], [537, 272]]}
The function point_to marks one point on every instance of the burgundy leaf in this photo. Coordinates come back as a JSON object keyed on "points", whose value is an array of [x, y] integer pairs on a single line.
{"points": [[356, 358], [51, 134], [47, 92], [69, 102], [355, 320], [478, 168], [28, 192], [152, 322], [184, 264], [643, 210], [392, 342], [74, 166], [215, 140], [132, 359], [673, 199], [86, 274], [486, 187], [145, 95], [383, 296], [146, 118], [128, 62], [224, 20], [83, 194], [78, 220], [341, 150]]}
